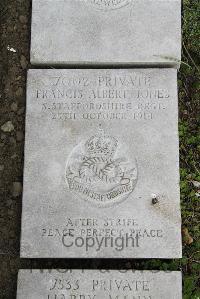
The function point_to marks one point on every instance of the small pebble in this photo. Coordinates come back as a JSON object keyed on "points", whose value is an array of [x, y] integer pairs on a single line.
{"points": [[196, 184], [23, 19], [7, 127], [154, 201], [154, 198], [14, 106], [23, 62], [19, 92]]}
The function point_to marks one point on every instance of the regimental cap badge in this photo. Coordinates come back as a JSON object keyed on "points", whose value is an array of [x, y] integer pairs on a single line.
{"points": [[101, 145], [99, 171]]}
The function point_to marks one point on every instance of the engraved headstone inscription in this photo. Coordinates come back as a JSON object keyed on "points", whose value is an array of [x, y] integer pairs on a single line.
{"points": [[101, 175], [106, 32], [98, 284]]}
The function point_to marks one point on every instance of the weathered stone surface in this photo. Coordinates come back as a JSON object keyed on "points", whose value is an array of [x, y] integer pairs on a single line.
{"points": [[98, 284], [91, 32], [101, 164]]}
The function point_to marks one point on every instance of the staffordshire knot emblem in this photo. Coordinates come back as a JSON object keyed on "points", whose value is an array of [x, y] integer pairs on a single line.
{"points": [[98, 173]]}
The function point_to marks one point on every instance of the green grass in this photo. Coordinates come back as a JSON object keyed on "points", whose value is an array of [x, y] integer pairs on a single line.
{"points": [[189, 130]]}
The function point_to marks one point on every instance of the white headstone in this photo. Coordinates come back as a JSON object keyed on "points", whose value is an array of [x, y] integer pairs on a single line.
{"points": [[101, 172], [106, 32], [98, 284]]}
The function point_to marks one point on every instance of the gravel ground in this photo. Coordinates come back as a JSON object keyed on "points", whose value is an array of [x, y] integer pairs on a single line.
{"points": [[15, 18]]}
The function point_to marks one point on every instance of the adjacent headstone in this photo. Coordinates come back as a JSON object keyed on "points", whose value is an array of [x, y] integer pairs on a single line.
{"points": [[101, 172], [140, 32], [98, 284]]}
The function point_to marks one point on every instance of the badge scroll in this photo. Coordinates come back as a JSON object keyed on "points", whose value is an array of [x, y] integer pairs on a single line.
{"points": [[97, 172]]}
